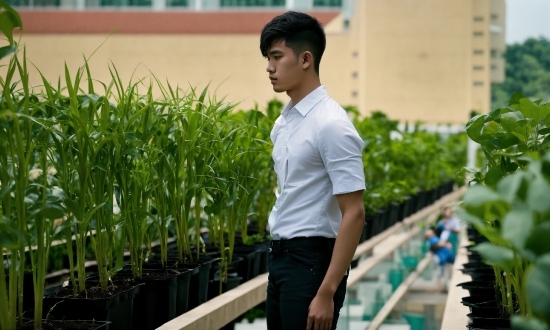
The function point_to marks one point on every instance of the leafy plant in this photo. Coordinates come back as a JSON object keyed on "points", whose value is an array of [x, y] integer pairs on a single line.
{"points": [[510, 209]]}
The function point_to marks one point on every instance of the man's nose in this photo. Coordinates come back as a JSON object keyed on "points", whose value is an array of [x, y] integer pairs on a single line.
{"points": [[269, 68]]}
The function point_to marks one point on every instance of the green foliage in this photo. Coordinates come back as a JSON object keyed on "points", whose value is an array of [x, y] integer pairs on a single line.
{"points": [[527, 71], [506, 134], [511, 210], [391, 156]]}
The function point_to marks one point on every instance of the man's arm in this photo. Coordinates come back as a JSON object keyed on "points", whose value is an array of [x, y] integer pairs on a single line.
{"points": [[321, 309]]}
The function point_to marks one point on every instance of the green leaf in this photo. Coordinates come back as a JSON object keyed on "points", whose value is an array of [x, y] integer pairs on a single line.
{"points": [[538, 288], [9, 20], [479, 195], [538, 242], [517, 226], [475, 126], [522, 323], [496, 255], [531, 111], [545, 130], [497, 141], [513, 186], [516, 97], [493, 176], [538, 194], [52, 211], [6, 50]]}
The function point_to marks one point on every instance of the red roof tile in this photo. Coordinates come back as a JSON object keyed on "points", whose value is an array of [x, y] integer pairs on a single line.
{"points": [[149, 22]]}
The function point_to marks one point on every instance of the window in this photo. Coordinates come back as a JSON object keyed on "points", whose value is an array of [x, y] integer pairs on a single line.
{"points": [[354, 94], [478, 34], [478, 68], [478, 83], [494, 53], [478, 19], [327, 3], [494, 67], [478, 51], [35, 3], [177, 3], [252, 3], [354, 54], [354, 75], [494, 17], [119, 3]]}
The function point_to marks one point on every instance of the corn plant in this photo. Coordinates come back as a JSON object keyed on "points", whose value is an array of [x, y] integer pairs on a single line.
{"points": [[16, 150], [132, 165]]}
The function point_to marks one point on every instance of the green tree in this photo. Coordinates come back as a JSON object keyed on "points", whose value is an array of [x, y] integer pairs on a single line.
{"points": [[527, 71]]}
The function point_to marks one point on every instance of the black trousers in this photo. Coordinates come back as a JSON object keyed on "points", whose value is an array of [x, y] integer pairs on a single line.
{"points": [[297, 268]]}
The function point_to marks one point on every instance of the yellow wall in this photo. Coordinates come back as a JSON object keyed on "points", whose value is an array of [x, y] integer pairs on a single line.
{"points": [[418, 59], [412, 59]]}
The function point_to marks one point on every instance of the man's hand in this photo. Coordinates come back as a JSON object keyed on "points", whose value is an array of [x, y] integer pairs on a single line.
{"points": [[321, 312]]}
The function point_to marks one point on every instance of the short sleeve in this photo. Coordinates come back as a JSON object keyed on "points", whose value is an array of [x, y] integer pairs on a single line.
{"points": [[340, 147]]}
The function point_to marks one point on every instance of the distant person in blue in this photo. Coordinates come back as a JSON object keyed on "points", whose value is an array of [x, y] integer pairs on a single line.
{"points": [[448, 228], [441, 248]]}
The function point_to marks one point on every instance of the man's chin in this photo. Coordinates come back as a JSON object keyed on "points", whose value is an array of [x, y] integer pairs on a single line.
{"points": [[278, 90]]}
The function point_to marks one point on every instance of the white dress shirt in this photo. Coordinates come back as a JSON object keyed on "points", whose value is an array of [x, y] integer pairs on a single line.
{"points": [[317, 154]]}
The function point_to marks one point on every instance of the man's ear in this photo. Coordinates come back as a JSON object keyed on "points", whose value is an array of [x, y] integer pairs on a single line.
{"points": [[306, 59]]}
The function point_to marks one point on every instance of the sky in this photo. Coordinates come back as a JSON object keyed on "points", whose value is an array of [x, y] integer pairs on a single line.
{"points": [[526, 19]]}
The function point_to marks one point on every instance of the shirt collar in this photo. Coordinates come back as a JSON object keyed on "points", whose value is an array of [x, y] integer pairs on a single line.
{"points": [[308, 102]]}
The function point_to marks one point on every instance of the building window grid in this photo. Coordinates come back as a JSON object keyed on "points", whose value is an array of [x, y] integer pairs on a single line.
{"points": [[478, 52], [478, 68], [327, 3], [478, 83], [478, 19], [252, 3], [169, 3], [478, 34]]}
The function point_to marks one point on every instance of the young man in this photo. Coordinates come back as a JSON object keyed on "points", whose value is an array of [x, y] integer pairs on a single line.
{"points": [[319, 215]]}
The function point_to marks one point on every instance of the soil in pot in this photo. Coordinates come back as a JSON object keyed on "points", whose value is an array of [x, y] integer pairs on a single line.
{"points": [[115, 306], [66, 325]]}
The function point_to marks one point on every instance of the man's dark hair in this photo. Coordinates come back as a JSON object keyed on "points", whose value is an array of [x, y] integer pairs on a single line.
{"points": [[299, 31]]}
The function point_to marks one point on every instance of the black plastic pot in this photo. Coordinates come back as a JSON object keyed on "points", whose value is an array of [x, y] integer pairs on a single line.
{"points": [[116, 309], [370, 223], [249, 267], [28, 290], [473, 271], [233, 281], [263, 250], [156, 302], [394, 214], [198, 287], [482, 307], [484, 322], [379, 222], [479, 289], [421, 200]]}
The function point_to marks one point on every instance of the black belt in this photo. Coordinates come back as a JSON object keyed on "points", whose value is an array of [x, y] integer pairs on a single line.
{"points": [[302, 242]]}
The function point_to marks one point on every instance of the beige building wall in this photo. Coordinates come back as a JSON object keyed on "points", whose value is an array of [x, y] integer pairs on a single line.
{"points": [[231, 64], [426, 60], [481, 41], [418, 59], [498, 40]]}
